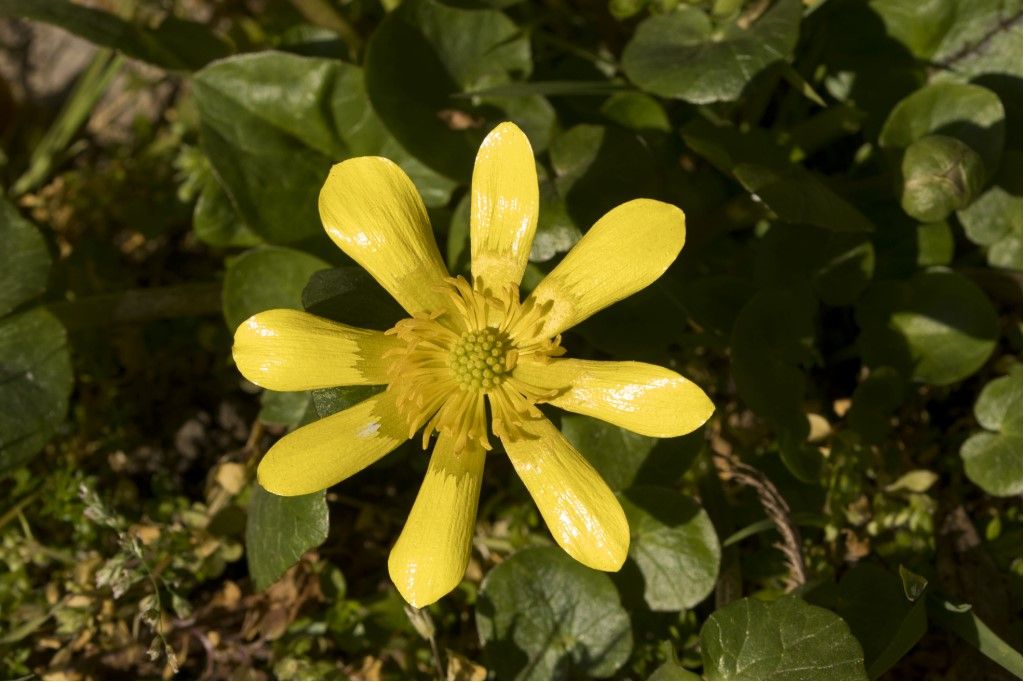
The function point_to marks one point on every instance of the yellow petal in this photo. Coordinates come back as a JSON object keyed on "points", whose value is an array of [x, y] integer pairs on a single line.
{"points": [[503, 216], [432, 552], [580, 510], [318, 455], [627, 249], [290, 350], [371, 210], [647, 399]]}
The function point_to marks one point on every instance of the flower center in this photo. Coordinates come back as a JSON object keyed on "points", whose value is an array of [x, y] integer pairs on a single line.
{"points": [[457, 360], [481, 359]]}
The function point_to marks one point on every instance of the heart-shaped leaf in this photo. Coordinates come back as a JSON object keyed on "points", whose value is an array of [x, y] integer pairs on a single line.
{"points": [[542, 615], [783, 640]]}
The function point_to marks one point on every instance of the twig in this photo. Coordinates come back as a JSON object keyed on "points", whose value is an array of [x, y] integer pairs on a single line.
{"points": [[21, 504], [775, 507]]}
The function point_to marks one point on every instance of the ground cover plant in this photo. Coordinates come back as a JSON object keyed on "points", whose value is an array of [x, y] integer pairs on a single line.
{"points": [[848, 299]]}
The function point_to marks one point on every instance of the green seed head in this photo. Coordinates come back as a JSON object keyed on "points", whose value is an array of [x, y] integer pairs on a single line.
{"points": [[477, 360]]}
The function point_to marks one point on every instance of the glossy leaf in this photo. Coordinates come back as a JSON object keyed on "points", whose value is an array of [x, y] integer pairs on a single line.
{"points": [[264, 278], [683, 54], [783, 640], [272, 125], [673, 544], [542, 615], [350, 295], [279, 530]]}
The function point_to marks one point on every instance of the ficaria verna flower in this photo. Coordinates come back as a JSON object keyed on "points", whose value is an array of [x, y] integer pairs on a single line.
{"points": [[469, 353]]}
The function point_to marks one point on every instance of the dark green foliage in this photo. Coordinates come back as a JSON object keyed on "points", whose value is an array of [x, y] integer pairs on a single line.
{"points": [[849, 296]]}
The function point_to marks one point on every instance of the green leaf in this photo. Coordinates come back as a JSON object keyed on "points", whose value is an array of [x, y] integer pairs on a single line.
{"points": [[684, 55], [919, 26], [961, 619], [995, 220], [599, 167], [837, 266], [279, 530], [272, 125], [423, 55], [940, 175], [327, 401], [790, 191], [215, 221], [670, 670], [266, 277], [937, 327], [173, 44], [636, 111], [674, 545], [542, 615], [969, 113], [783, 640], [887, 623], [24, 259], [771, 343], [914, 585], [35, 383], [284, 408], [992, 458], [967, 39], [350, 295], [934, 244], [624, 458]]}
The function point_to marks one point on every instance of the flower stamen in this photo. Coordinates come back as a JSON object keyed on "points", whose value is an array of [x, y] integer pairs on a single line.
{"points": [[458, 359]]}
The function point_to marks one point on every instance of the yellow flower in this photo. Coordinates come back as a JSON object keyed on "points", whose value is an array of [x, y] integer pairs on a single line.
{"points": [[465, 345]]}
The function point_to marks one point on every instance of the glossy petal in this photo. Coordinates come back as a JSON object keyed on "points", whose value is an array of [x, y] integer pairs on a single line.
{"points": [[647, 399], [627, 249], [371, 210], [506, 200], [432, 552], [290, 350], [318, 455], [580, 510]]}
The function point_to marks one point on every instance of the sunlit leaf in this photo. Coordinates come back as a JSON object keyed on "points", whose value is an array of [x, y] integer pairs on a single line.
{"points": [[783, 640], [992, 458], [685, 55]]}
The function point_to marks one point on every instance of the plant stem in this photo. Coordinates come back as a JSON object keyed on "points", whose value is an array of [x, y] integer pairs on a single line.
{"points": [[88, 91], [321, 13], [193, 299]]}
